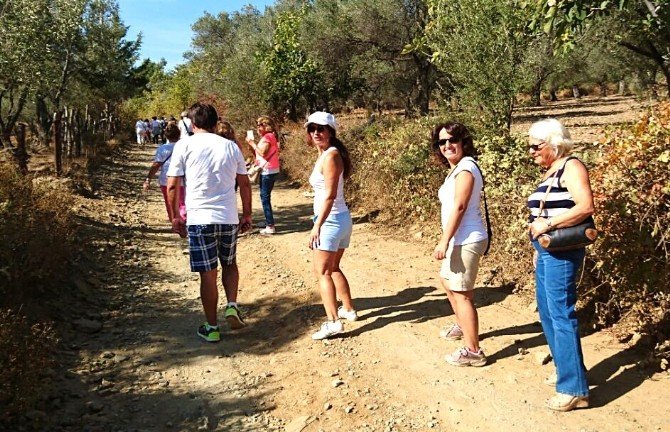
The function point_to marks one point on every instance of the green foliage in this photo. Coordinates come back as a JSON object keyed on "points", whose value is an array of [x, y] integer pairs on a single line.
{"points": [[482, 44], [510, 176], [644, 26], [291, 77]]}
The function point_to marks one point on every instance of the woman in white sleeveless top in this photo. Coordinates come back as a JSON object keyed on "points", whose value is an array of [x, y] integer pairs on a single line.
{"points": [[331, 233], [464, 237]]}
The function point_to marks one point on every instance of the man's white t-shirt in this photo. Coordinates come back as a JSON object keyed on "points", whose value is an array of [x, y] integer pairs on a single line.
{"points": [[210, 164]]}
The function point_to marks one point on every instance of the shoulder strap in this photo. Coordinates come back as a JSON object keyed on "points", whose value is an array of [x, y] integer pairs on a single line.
{"points": [[489, 231]]}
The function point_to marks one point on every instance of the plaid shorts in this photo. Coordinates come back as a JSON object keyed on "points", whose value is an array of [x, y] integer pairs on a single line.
{"points": [[209, 243]]}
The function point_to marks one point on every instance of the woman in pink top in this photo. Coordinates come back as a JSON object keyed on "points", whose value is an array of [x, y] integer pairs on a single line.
{"points": [[267, 157]]}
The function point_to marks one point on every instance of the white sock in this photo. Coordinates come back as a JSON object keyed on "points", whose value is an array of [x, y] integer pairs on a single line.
{"points": [[232, 304]]}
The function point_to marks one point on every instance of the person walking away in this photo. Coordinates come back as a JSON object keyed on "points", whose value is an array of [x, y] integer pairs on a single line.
{"points": [[139, 130], [565, 194], [331, 233], [211, 164], [162, 163], [464, 237], [155, 130], [267, 157], [185, 125]]}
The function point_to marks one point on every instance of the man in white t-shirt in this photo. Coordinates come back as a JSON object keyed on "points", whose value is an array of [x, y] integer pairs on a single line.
{"points": [[211, 164], [185, 126]]}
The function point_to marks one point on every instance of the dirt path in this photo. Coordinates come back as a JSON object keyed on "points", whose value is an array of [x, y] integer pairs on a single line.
{"points": [[146, 370]]}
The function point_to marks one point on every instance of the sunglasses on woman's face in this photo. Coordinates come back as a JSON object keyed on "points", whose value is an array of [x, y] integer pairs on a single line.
{"points": [[452, 140], [536, 147], [315, 128]]}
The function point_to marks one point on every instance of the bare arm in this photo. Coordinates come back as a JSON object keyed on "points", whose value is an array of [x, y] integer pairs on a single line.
{"points": [[465, 183], [152, 172], [178, 224], [245, 194]]}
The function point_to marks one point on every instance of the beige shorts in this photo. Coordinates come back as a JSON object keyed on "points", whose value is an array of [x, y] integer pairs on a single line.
{"points": [[461, 263]]}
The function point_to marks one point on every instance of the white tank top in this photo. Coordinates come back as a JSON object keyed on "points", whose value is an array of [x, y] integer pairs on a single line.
{"points": [[318, 182]]}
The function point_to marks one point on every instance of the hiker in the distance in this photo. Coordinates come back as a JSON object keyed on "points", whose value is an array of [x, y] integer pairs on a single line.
{"points": [[185, 126], [162, 163], [464, 237], [267, 157], [211, 164], [331, 233]]}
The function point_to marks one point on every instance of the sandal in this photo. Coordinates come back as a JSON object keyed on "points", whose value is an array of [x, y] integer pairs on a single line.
{"points": [[565, 402]]}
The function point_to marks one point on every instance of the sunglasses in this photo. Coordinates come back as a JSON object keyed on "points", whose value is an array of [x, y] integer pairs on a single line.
{"points": [[315, 128], [536, 147], [452, 140]]}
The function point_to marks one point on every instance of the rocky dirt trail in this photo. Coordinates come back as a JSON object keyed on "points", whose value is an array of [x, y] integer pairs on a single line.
{"points": [[134, 363]]}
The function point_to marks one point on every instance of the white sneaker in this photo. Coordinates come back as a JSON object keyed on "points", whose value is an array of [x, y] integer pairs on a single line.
{"points": [[347, 315], [268, 230], [328, 329]]}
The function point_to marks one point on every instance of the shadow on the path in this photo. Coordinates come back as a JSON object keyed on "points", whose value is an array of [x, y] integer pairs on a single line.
{"points": [[404, 306], [610, 386]]}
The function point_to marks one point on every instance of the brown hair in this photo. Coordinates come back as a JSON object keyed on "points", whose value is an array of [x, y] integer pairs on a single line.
{"points": [[172, 132], [339, 145], [456, 130], [225, 129]]}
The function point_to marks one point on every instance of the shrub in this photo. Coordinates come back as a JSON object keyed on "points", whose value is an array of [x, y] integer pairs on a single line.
{"points": [[632, 188], [37, 235]]}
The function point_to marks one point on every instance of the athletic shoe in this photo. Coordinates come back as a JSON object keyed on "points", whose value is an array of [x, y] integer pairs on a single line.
{"points": [[268, 230], [452, 332], [465, 357], [347, 315], [209, 333], [234, 317], [328, 329]]}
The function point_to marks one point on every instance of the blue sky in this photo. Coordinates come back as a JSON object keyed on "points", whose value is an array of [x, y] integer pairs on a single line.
{"points": [[166, 24]]}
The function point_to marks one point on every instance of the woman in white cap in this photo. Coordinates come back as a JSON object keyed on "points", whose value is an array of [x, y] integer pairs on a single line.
{"points": [[332, 221]]}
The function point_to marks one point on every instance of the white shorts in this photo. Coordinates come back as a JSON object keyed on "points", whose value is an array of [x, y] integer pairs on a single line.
{"points": [[461, 263]]}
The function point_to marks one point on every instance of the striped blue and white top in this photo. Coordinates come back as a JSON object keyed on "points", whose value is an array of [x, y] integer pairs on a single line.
{"points": [[557, 202]]}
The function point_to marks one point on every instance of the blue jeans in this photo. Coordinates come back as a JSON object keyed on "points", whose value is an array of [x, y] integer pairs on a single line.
{"points": [[267, 183], [556, 291]]}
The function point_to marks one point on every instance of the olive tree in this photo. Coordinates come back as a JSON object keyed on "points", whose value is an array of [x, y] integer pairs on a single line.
{"points": [[483, 45]]}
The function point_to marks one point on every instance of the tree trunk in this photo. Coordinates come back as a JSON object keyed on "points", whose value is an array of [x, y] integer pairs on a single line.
{"points": [[58, 143], [21, 155], [44, 120], [424, 82]]}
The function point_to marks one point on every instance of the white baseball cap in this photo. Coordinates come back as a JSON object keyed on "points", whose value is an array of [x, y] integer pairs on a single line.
{"points": [[322, 118]]}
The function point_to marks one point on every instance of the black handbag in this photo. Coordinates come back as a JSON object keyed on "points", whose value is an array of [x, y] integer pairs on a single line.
{"points": [[574, 237], [568, 238]]}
